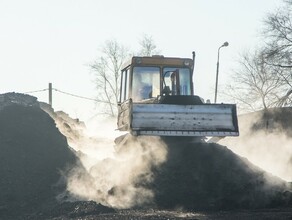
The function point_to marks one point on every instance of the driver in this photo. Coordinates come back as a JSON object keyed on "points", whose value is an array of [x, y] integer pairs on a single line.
{"points": [[141, 89]]}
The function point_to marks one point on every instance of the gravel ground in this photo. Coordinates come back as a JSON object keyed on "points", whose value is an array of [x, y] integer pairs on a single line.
{"points": [[150, 214]]}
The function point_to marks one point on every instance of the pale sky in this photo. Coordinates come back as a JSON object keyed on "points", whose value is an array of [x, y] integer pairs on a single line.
{"points": [[44, 41]]}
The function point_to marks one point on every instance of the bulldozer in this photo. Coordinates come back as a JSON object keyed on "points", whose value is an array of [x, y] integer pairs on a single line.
{"points": [[157, 99]]}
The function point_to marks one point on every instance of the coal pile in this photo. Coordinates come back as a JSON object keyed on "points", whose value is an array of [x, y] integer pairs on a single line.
{"points": [[272, 120], [201, 176], [34, 159], [266, 139], [71, 128]]}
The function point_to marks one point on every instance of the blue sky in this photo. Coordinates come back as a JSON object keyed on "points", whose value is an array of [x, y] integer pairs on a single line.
{"points": [[44, 41]]}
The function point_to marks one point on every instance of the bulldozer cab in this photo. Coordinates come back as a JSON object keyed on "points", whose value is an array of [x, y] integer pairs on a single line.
{"points": [[157, 98], [148, 78]]}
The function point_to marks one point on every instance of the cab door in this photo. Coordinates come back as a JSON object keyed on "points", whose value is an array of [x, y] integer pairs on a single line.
{"points": [[124, 102]]}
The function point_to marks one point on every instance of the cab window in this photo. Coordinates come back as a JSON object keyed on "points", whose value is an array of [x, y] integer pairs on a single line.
{"points": [[184, 79], [124, 95], [146, 83]]}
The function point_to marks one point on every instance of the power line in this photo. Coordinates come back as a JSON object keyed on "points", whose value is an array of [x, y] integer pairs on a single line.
{"points": [[70, 94], [81, 97], [41, 90], [77, 96]]}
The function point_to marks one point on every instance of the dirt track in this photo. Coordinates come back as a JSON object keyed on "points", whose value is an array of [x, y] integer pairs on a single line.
{"points": [[207, 181]]}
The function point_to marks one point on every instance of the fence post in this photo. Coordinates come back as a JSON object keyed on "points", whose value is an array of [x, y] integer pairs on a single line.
{"points": [[50, 94]]}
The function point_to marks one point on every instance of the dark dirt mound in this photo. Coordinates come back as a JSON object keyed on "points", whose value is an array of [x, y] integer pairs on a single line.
{"points": [[265, 139], [209, 176], [272, 120], [34, 158], [72, 129], [33, 155], [205, 176]]}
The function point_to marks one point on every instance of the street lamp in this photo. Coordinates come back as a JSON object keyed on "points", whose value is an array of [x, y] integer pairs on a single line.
{"points": [[217, 70]]}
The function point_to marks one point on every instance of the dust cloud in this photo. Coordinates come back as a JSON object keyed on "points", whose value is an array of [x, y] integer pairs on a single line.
{"points": [[147, 171], [264, 141], [114, 172]]}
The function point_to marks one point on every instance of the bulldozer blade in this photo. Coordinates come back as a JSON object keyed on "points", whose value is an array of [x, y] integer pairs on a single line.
{"points": [[180, 120]]}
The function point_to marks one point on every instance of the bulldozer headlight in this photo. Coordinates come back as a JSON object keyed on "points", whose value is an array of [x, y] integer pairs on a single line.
{"points": [[186, 63], [138, 60]]}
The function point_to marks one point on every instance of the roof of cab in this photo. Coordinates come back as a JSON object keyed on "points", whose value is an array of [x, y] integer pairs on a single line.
{"points": [[158, 60]]}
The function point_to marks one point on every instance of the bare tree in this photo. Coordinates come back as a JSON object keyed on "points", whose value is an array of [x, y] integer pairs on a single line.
{"points": [[277, 33], [148, 46], [264, 78], [107, 75], [278, 50], [107, 70], [255, 84]]}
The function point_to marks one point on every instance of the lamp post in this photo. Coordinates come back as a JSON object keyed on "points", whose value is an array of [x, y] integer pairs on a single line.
{"points": [[217, 70]]}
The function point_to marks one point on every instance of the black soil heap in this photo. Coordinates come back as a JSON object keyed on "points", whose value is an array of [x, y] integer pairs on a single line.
{"points": [[34, 158], [271, 120], [33, 155], [201, 176]]}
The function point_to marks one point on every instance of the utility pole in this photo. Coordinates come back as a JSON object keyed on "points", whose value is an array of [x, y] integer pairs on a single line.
{"points": [[50, 94]]}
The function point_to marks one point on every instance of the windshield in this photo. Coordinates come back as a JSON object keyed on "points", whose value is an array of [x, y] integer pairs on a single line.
{"points": [[146, 83], [184, 80]]}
